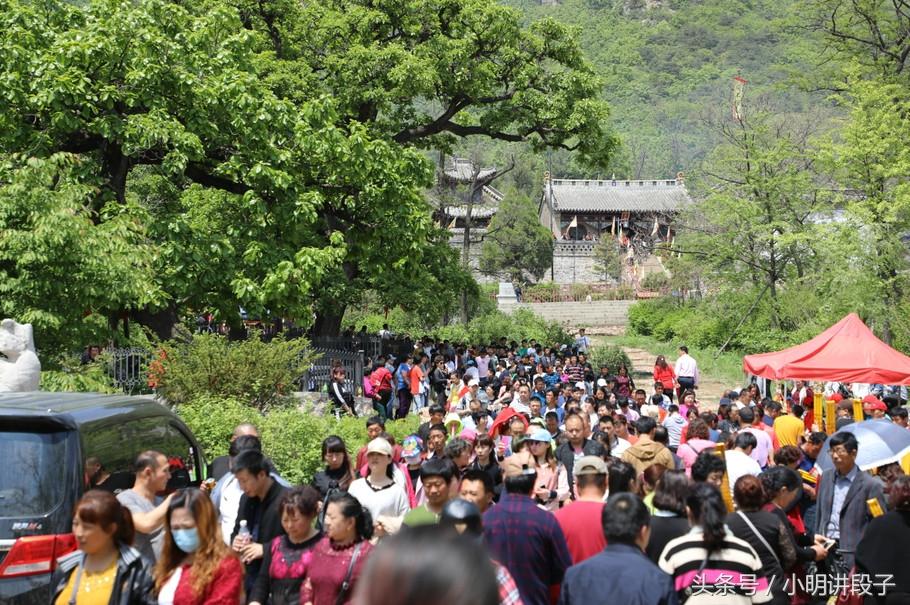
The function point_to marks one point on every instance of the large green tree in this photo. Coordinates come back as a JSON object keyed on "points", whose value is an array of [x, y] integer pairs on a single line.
{"points": [[241, 196], [424, 74], [515, 243]]}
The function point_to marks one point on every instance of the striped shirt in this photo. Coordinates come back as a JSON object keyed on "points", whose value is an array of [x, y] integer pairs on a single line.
{"points": [[732, 575]]}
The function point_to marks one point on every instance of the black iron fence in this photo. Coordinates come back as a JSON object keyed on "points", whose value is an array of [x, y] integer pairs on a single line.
{"points": [[318, 376], [129, 368]]}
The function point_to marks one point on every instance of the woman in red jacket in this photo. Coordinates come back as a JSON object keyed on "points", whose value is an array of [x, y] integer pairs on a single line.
{"points": [[196, 567], [664, 374]]}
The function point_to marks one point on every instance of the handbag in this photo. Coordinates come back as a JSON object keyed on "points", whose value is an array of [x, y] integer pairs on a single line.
{"points": [[346, 584]]}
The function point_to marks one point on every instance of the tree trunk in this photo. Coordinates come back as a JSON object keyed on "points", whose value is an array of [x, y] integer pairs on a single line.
{"points": [[328, 323], [162, 322]]}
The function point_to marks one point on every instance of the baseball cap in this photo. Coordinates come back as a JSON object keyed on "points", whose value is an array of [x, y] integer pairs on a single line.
{"points": [[590, 465], [473, 383], [601, 382], [518, 464], [379, 446], [539, 435], [468, 435], [580, 385], [411, 446]]}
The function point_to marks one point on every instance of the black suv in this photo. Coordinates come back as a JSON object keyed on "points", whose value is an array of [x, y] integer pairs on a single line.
{"points": [[54, 447]]}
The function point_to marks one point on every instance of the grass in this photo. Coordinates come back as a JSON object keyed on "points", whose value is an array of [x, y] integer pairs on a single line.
{"points": [[727, 367]]}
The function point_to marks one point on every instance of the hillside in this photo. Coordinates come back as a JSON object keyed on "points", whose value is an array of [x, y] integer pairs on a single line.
{"points": [[668, 69]]}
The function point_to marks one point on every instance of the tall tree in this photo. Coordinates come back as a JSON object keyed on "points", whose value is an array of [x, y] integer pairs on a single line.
{"points": [[516, 244], [761, 194], [244, 196], [425, 74]]}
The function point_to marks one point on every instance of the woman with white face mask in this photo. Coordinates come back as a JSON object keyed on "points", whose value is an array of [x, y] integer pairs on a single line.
{"points": [[196, 567]]}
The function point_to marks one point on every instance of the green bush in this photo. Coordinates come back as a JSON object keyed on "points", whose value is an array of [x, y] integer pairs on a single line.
{"points": [[610, 356], [258, 373], [74, 377], [290, 437], [656, 281], [644, 316]]}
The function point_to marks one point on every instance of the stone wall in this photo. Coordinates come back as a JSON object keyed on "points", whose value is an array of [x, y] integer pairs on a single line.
{"points": [[595, 314], [573, 263]]}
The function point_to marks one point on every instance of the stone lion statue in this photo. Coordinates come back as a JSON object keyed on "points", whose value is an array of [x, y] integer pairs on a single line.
{"points": [[21, 370]]}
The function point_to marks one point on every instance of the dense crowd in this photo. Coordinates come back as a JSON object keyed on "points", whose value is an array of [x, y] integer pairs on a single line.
{"points": [[535, 478]]}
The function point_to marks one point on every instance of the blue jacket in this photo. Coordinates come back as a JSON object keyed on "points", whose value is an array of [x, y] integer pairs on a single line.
{"points": [[620, 574]]}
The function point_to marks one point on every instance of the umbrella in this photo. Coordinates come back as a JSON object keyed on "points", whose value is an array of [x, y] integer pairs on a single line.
{"points": [[880, 442]]}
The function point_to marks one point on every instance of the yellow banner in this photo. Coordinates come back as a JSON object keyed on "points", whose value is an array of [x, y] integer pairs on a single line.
{"points": [[817, 410], [858, 410], [830, 416]]}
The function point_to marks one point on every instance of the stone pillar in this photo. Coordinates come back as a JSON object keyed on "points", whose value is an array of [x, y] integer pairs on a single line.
{"points": [[506, 300]]}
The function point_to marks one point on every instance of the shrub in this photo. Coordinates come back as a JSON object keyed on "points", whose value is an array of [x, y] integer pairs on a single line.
{"points": [[290, 437], [258, 373], [657, 281], [610, 356], [644, 316], [75, 377]]}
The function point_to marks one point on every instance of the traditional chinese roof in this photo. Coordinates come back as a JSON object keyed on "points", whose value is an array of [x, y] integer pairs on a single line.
{"points": [[581, 195], [462, 170], [476, 211]]}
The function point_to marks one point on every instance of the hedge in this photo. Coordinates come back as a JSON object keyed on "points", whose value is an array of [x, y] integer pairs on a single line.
{"points": [[290, 437]]}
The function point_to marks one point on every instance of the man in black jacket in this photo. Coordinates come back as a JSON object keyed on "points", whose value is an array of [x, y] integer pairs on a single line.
{"points": [[259, 508], [573, 448]]}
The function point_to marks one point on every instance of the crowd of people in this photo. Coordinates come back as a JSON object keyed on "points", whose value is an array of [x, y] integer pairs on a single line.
{"points": [[535, 478]]}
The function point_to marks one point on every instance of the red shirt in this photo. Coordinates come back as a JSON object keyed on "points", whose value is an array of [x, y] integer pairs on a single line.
{"points": [[225, 585], [581, 523], [665, 376]]}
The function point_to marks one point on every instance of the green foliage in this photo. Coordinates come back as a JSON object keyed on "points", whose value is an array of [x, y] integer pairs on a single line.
{"points": [[260, 374], [60, 268], [516, 244], [608, 260], [74, 377], [290, 437], [610, 356], [656, 281]]}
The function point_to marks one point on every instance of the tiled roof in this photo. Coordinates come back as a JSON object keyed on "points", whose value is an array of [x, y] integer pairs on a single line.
{"points": [[579, 195], [476, 211], [462, 170]]}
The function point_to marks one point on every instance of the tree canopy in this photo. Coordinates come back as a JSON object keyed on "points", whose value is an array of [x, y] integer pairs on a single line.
{"points": [[258, 155]]}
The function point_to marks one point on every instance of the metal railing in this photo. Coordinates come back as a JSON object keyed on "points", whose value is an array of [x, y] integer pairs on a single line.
{"points": [[129, 368], [319, 374]]}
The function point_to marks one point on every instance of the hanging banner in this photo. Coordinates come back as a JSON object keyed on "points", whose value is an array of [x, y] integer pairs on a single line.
{"points": [[739, 90], [830, 416], [817, 400]]}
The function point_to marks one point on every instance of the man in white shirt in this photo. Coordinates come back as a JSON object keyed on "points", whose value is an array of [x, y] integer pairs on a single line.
{"points": [[523, 403], [764, 446], [686, 371], [739, 460]]}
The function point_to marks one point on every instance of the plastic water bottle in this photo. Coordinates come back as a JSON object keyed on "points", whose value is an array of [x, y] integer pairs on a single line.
{"points": [[244, 534]]}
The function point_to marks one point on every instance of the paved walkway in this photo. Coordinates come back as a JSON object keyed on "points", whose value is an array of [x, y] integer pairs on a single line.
{"points": [[709, 391]]}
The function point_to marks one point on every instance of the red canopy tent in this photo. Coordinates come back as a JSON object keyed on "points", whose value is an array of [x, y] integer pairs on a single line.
{"points": [[848, 351]]}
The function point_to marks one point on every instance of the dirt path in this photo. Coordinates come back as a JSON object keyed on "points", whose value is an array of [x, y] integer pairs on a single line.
{"points": [[709, 390]]}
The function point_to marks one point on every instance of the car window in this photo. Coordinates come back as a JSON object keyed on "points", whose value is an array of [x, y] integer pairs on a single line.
{"points": [[109, 451], [34, 477]]}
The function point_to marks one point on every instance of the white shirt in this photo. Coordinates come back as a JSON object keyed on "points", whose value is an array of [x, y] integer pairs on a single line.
{"points": [[520, 407], [687, 367], [169, 589], [229, 506], [740, 465], [388, 502], [620, 446]]}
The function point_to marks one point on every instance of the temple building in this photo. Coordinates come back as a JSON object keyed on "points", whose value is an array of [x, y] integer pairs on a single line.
{"points": [[585, 210]]}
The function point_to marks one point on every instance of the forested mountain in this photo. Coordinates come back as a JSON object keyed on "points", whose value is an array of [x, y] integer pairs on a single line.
{"points": [[668, 69]]}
